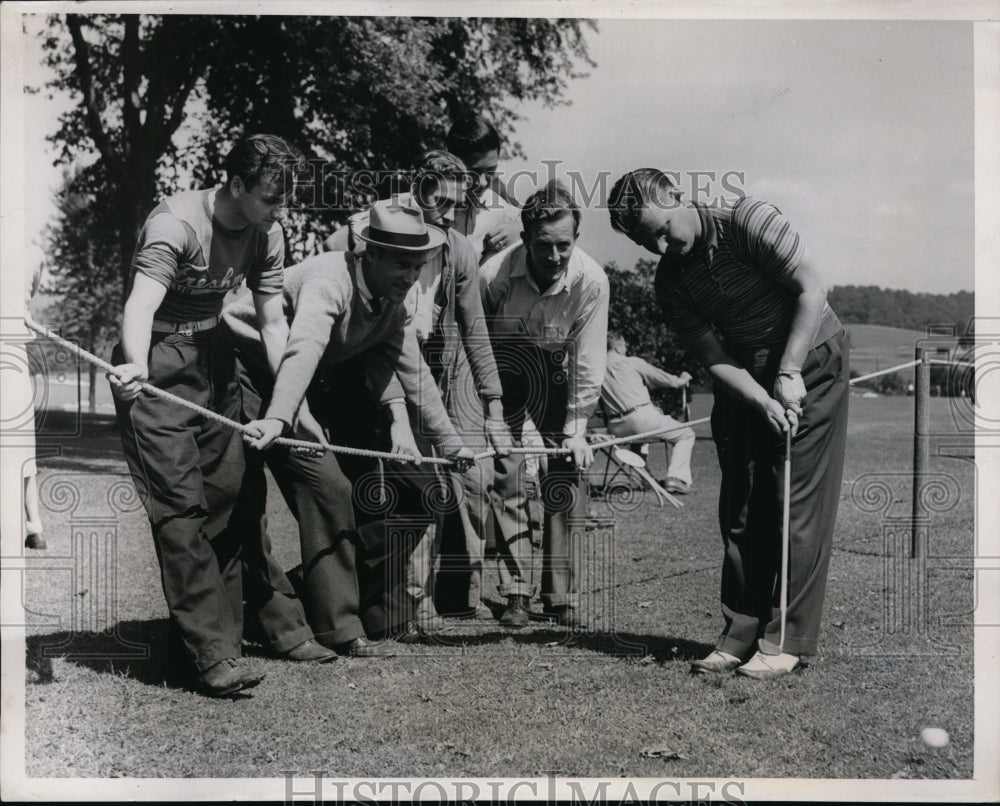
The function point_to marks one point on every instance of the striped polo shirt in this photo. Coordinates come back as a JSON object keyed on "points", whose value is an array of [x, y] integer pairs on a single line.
{"points": [[732, 278]]}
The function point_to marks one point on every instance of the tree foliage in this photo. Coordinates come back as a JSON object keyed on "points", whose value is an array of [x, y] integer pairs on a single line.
{"points": [[162, 98], [871, 305], [84, 267], [635, 313]]}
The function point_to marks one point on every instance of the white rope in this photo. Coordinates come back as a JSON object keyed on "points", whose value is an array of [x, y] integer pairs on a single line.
{"points": [[884, 372], [599, 442]]}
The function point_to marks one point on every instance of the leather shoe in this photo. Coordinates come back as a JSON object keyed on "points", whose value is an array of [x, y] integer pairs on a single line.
{"points": [[767, 667], [715, 662], [35, 541], [565, 616], [676, 486], [310, 651], [361, 647], [225, 677], [411, 635], [478, 613], [428, 625], [517, 614]]}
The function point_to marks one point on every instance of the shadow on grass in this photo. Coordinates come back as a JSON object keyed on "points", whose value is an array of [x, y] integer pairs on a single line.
{"points": [[140, 650], [626, 645], [68, 440]]}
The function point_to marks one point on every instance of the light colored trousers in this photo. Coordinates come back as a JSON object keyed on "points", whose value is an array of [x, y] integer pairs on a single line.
{"points": [[650, 418]]}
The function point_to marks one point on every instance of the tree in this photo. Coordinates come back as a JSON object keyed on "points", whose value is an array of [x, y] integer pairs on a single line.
{"points": [[635, 313], [81, 245], [161, 98]]}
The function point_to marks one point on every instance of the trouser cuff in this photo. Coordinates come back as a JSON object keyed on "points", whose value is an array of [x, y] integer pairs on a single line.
{"points": [[216, 653], [734, 646], [291, 639], [771, 645], [516, 589], [353, 629], [561, 599]]}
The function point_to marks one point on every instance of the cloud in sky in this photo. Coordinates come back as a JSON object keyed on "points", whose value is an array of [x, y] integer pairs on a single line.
{"points": [[861, 132]]}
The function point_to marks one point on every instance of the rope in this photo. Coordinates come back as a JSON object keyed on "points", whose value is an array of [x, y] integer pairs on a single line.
{"points": [[599, 442], [907, 365], [211, 415]]}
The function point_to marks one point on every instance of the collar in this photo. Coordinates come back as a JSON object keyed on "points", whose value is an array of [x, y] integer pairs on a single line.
{"points": [[709, 232], [562, 283], [366, 295]]}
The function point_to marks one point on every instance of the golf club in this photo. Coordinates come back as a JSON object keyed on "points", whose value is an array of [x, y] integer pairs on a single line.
{"points": [[785, 512]]}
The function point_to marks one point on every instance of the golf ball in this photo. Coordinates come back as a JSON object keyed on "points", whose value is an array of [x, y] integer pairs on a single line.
{"points": [[934, 737]]}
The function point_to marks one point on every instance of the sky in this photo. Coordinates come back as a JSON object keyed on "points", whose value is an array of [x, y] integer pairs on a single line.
{"points": [[860, 132]]}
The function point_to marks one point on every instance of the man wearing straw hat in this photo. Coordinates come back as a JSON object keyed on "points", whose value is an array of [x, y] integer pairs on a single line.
{"points": [[447, 317], [194, 248], [781, 371], [342, 306]]}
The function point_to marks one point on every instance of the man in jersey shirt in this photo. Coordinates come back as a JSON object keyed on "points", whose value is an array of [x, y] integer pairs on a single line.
{"points": [[193, 248]]}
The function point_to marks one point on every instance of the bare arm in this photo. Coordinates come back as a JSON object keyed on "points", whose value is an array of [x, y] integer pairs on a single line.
{"points": [[724, 369], [137, 328], [807, 283], [810, 289], [273, 327]]}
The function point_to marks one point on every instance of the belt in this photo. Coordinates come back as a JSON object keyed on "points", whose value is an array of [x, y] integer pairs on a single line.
{"points": [[159, 326], [626, 413]]}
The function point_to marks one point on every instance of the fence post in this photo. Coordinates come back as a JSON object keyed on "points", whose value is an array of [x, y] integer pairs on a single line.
{"points": [[921, 447]]}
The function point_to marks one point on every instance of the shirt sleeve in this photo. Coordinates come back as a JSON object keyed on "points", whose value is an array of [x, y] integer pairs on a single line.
{"points": [[321, 302], [589, 337], [652, 376], [399, 360], [771, 243], [472, 321], [487, 287], [267, 275], [163, 244]]}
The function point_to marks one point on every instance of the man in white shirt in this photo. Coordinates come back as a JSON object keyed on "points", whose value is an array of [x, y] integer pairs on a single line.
{"points": [[630, 410], [546, 306]]}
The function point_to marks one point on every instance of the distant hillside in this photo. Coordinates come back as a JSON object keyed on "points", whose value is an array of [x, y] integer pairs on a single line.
{"points": [[874, 347], [871, 305]]}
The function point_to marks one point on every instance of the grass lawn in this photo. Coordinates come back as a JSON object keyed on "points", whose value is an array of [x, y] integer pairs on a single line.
{"points": [[896, 652]]}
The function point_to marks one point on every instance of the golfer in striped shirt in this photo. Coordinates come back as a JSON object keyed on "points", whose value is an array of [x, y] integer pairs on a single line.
{"points": [[743, 294]]}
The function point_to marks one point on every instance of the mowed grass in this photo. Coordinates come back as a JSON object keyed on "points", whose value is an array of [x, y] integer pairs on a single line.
{"points": [[895, 656]]}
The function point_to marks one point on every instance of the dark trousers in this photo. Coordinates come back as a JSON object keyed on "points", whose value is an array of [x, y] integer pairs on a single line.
{"points": [[187, 471], [535, 384], [751, 457], [318, 494], [388, 516]]}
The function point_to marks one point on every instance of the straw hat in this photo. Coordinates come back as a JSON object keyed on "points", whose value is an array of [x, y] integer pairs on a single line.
{"points": [[397, 225]]}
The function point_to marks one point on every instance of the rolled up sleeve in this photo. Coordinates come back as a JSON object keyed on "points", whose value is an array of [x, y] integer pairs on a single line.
{"points": [[588, 339]]}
